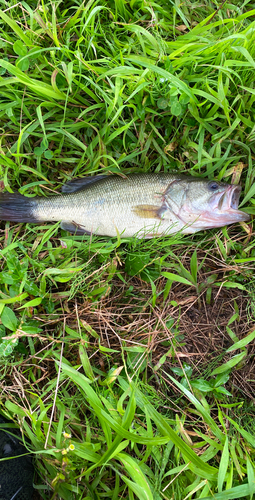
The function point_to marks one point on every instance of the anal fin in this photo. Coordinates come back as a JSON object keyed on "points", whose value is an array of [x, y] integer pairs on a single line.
{"points": [[71, 227]]}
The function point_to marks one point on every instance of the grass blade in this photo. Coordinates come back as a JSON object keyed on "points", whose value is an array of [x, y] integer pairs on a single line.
{"points": [[230, 364], [140, 485], [224, 462], [14, 26]]}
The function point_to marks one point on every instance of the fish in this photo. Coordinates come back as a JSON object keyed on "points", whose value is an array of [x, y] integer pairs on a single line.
{"points": [[146, 205], [16, 465]]}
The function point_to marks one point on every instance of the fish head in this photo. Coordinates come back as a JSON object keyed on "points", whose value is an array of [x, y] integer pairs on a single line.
{"points": [[204, 204]]}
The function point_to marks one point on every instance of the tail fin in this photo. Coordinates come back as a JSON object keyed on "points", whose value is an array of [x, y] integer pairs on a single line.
{"points": [[16, 207]]}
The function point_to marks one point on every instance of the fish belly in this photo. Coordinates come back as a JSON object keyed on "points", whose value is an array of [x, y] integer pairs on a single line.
{"points": [[126, 224]]}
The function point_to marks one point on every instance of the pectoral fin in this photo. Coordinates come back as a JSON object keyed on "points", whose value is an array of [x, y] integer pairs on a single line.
{"points": [[150, 211]]}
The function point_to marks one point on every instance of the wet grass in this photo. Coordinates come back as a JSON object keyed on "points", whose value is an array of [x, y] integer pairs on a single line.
{"points": [[129, 364]]}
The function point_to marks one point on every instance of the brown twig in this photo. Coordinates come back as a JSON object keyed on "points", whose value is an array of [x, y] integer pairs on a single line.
{"points": [[216, 12]]}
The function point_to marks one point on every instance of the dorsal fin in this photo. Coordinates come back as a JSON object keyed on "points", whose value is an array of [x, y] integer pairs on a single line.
{"points": [[81, 183]]}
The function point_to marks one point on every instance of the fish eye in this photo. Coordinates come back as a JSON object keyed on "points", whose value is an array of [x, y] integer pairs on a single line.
{"points": [[213, 186]]}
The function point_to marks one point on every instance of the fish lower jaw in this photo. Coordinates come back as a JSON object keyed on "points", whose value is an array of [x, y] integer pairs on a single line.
{"points": [[209, 220]]}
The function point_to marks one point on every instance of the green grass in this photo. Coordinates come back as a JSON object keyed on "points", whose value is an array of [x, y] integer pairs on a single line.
{"points": [[129, 364]]}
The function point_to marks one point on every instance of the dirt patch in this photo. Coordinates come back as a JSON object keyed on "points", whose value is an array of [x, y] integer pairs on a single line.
{"points": [[154, 328], [184, 327]]}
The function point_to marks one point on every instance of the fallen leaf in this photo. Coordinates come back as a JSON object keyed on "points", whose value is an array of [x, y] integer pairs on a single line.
{"points": [[186, 300], [181, 28], [171, 147], [247, 228]]}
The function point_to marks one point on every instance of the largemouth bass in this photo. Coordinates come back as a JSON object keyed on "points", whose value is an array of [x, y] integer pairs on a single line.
{"points": [[146, 205]]}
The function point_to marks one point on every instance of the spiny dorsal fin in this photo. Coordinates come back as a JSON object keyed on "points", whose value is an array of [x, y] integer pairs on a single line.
{"points": [[81, 183]]}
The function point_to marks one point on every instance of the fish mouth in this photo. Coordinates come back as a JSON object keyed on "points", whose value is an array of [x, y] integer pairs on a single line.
{"points": [[228, 204], [230, 198], [235, 195]]}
